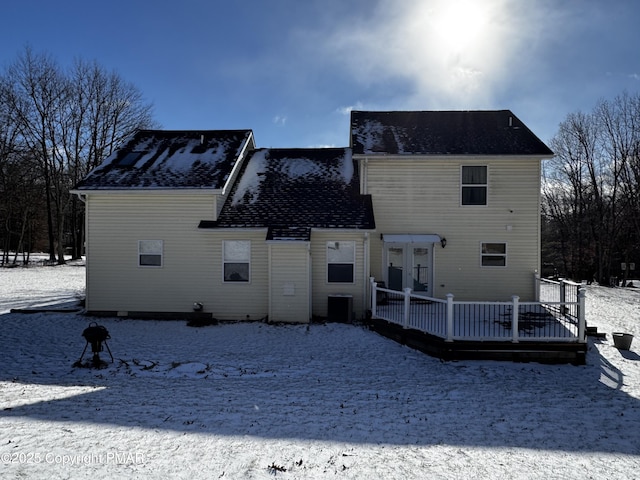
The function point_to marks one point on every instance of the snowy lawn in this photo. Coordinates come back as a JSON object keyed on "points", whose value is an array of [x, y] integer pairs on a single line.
{"points": [[297, 402]]}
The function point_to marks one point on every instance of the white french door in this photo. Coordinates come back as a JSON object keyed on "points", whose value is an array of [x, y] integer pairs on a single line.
{"points": [[409, 265]]}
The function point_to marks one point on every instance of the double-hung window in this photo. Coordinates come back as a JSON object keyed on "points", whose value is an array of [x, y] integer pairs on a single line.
{"points": [[236, 260], [150, 253], [493, 254], [474, 185], [341, 262]]}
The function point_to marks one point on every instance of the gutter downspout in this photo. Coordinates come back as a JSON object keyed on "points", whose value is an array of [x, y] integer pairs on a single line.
{"points": [[366, 282], [270, 295], [83, 197], [309, 282]]}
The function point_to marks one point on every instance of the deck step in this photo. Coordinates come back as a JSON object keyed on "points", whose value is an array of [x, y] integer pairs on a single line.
{"points": [[593, 332]]}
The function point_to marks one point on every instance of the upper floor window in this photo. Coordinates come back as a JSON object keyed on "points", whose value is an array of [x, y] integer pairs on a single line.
{"points": [[341, 262], [236, 260], [474, 185], [494, 255], [150, 253]]}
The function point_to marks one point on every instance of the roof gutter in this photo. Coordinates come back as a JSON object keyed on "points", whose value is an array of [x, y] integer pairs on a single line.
{"points": [[342, 229], [210, 225], [147, 191], [450, 156], [82, 196]]}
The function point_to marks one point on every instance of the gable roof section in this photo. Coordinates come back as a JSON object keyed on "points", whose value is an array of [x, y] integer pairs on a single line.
{"points": [[165, 159], [290, 191], [497, 132]]}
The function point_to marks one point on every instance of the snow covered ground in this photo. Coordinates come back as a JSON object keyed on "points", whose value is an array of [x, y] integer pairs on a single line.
{"points": [[297, 402]]}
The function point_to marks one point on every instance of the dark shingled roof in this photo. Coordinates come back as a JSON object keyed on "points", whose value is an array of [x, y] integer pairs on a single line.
{"points": [[290, 191], [159, 159], [443, 132]]}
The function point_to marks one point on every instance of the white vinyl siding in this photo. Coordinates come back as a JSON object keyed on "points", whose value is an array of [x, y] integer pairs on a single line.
{"points": [[116, 222], [289, 278], [422, 196], [238, 300], [192, 258], [322, 289]]}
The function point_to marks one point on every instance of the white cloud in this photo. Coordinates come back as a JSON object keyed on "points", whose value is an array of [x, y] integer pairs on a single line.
{"points": [[322, 145], [279, 120], [448, 53], [346, 110]]}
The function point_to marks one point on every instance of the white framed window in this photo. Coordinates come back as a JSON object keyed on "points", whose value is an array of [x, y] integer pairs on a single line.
{"points": [[493, 254], [150, 253], [474, 185], [236, 260], [341, 262]]}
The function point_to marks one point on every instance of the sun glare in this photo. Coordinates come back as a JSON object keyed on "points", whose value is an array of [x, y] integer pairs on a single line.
{"points": [[451, 52], [460, 25]]}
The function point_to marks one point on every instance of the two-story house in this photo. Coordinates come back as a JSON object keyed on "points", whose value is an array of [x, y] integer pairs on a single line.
{"points": [[439, 202], [456, 197]]}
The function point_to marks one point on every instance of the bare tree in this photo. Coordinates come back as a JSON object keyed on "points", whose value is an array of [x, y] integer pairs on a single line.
{"points": [[104, 111], [37, 90], [620, 120], [19, 180], [68, 122], [591, 188], [567, 195]]}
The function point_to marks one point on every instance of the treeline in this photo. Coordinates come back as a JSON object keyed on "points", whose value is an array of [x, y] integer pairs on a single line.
{"points": [[56, 125], [591, 193]]}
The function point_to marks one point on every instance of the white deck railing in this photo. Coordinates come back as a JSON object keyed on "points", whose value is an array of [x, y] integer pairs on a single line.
{"points": [[512, 321]]}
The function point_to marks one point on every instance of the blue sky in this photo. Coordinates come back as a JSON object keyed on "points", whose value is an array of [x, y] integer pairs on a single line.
{"points": [[291, 70]]}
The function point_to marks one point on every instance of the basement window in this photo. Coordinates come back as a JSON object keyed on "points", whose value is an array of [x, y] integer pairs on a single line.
{"points": [[150, 253]]}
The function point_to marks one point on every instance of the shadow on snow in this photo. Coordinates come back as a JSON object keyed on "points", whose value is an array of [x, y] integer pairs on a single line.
{"points": [[325, 382]]}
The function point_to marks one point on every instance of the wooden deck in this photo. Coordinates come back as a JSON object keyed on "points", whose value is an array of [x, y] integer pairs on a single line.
{"points": [[531, 351], [547, 330]]}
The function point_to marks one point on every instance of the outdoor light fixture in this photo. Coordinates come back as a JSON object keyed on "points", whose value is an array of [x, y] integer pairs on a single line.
{"points": [[443, 242]]}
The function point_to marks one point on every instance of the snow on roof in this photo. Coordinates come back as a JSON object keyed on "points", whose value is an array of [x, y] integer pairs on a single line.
{"points": [[295, 165], [297, 188], [368, 134], [497, 132], [156, 159], [249, 184]]}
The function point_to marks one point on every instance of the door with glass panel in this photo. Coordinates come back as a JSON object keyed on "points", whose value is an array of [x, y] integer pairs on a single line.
{"points": [[409, 266]]}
